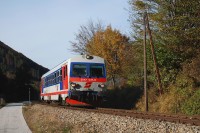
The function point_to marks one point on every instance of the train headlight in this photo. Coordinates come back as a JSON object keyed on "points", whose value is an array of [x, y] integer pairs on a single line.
{"points": [[101, 85], [73, 84], [89, 57]]}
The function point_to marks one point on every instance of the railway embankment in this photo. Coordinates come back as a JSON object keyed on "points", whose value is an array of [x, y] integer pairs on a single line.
{"points": [[43, 118]]}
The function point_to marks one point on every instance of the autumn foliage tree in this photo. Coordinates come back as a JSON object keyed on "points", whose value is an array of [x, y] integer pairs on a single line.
{"points": [[84, 35], [113, 47], [107, 43]]}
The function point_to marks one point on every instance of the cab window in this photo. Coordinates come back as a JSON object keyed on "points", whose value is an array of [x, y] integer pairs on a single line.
{"points": [[79, 70], [96, 70]]}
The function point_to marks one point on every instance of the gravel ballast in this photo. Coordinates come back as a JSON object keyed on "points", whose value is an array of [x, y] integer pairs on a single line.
{"points": [[82, 121]]}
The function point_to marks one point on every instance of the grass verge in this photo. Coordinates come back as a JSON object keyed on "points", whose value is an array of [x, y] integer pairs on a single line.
{"points": [[40, 121]]}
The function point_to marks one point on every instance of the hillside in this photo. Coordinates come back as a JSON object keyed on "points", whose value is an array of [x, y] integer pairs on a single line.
{"points": [[17, 74]]}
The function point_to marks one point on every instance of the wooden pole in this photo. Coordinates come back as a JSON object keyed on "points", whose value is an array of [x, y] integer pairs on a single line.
{"points": [[145, 65], [154, 56]]}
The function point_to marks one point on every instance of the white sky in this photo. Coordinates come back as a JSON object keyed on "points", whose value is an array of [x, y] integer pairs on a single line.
{"points": [[42, 29]]}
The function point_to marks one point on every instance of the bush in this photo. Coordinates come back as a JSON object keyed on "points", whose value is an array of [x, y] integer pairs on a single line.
{"points": [[192, 105], [176, 100]]}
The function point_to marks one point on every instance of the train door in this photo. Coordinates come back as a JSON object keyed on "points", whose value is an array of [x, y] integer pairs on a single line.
{"points": [[65, 77]]}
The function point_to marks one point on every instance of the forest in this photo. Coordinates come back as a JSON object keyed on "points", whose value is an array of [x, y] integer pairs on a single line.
{"points": [[175, 28], [18, 74]]}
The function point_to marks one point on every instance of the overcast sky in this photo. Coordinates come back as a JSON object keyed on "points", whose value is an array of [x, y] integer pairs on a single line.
{"points": [[42, 29]]}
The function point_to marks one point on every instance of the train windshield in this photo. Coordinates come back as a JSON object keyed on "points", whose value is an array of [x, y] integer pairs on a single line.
{"points": [[96, 70], [79, 70]]}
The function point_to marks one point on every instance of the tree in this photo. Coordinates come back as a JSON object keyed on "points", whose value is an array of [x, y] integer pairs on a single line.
{"points": [[84, 35], [113, 47], [180, 25], [175, 28]]}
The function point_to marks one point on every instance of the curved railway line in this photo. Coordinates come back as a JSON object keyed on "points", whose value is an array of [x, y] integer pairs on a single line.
{"points": [[192, 120]]}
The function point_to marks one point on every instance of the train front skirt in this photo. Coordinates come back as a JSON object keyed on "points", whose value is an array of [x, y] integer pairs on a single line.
{"points": [[85, 98]]}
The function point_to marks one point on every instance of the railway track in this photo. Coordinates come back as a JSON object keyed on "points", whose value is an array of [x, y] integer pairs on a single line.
{"points": [[192, 120]]}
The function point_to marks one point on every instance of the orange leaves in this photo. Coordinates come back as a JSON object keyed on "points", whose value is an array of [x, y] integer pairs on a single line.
{"points": [[111, 45]]}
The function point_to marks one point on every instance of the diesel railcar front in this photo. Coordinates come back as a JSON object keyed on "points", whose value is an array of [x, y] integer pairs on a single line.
{"points": [[78, 81]]}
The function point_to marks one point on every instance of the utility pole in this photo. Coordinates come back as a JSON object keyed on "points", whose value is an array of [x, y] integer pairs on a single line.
{"points": [[154, 56], [145, 64]]}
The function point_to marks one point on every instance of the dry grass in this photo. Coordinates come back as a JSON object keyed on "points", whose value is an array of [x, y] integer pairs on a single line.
{"points": [[39, 122]]}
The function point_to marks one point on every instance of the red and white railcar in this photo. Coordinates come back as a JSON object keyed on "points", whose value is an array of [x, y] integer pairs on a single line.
{"points": [[78, 81]]}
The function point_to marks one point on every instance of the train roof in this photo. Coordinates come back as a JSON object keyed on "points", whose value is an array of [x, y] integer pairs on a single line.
{"points": [[78, 58]]}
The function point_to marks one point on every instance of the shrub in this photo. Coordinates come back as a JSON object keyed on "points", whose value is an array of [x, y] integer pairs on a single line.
{"points": [[192, 105]]}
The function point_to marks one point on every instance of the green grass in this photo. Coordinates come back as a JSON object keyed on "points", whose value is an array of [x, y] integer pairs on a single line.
{"points": [[67, 129]]}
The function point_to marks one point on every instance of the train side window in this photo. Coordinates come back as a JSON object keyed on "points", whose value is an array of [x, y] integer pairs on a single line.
{"points": [[51, 80], [61, 75], [57, 76], [60, 72], [54, 78], [47, 81]]}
